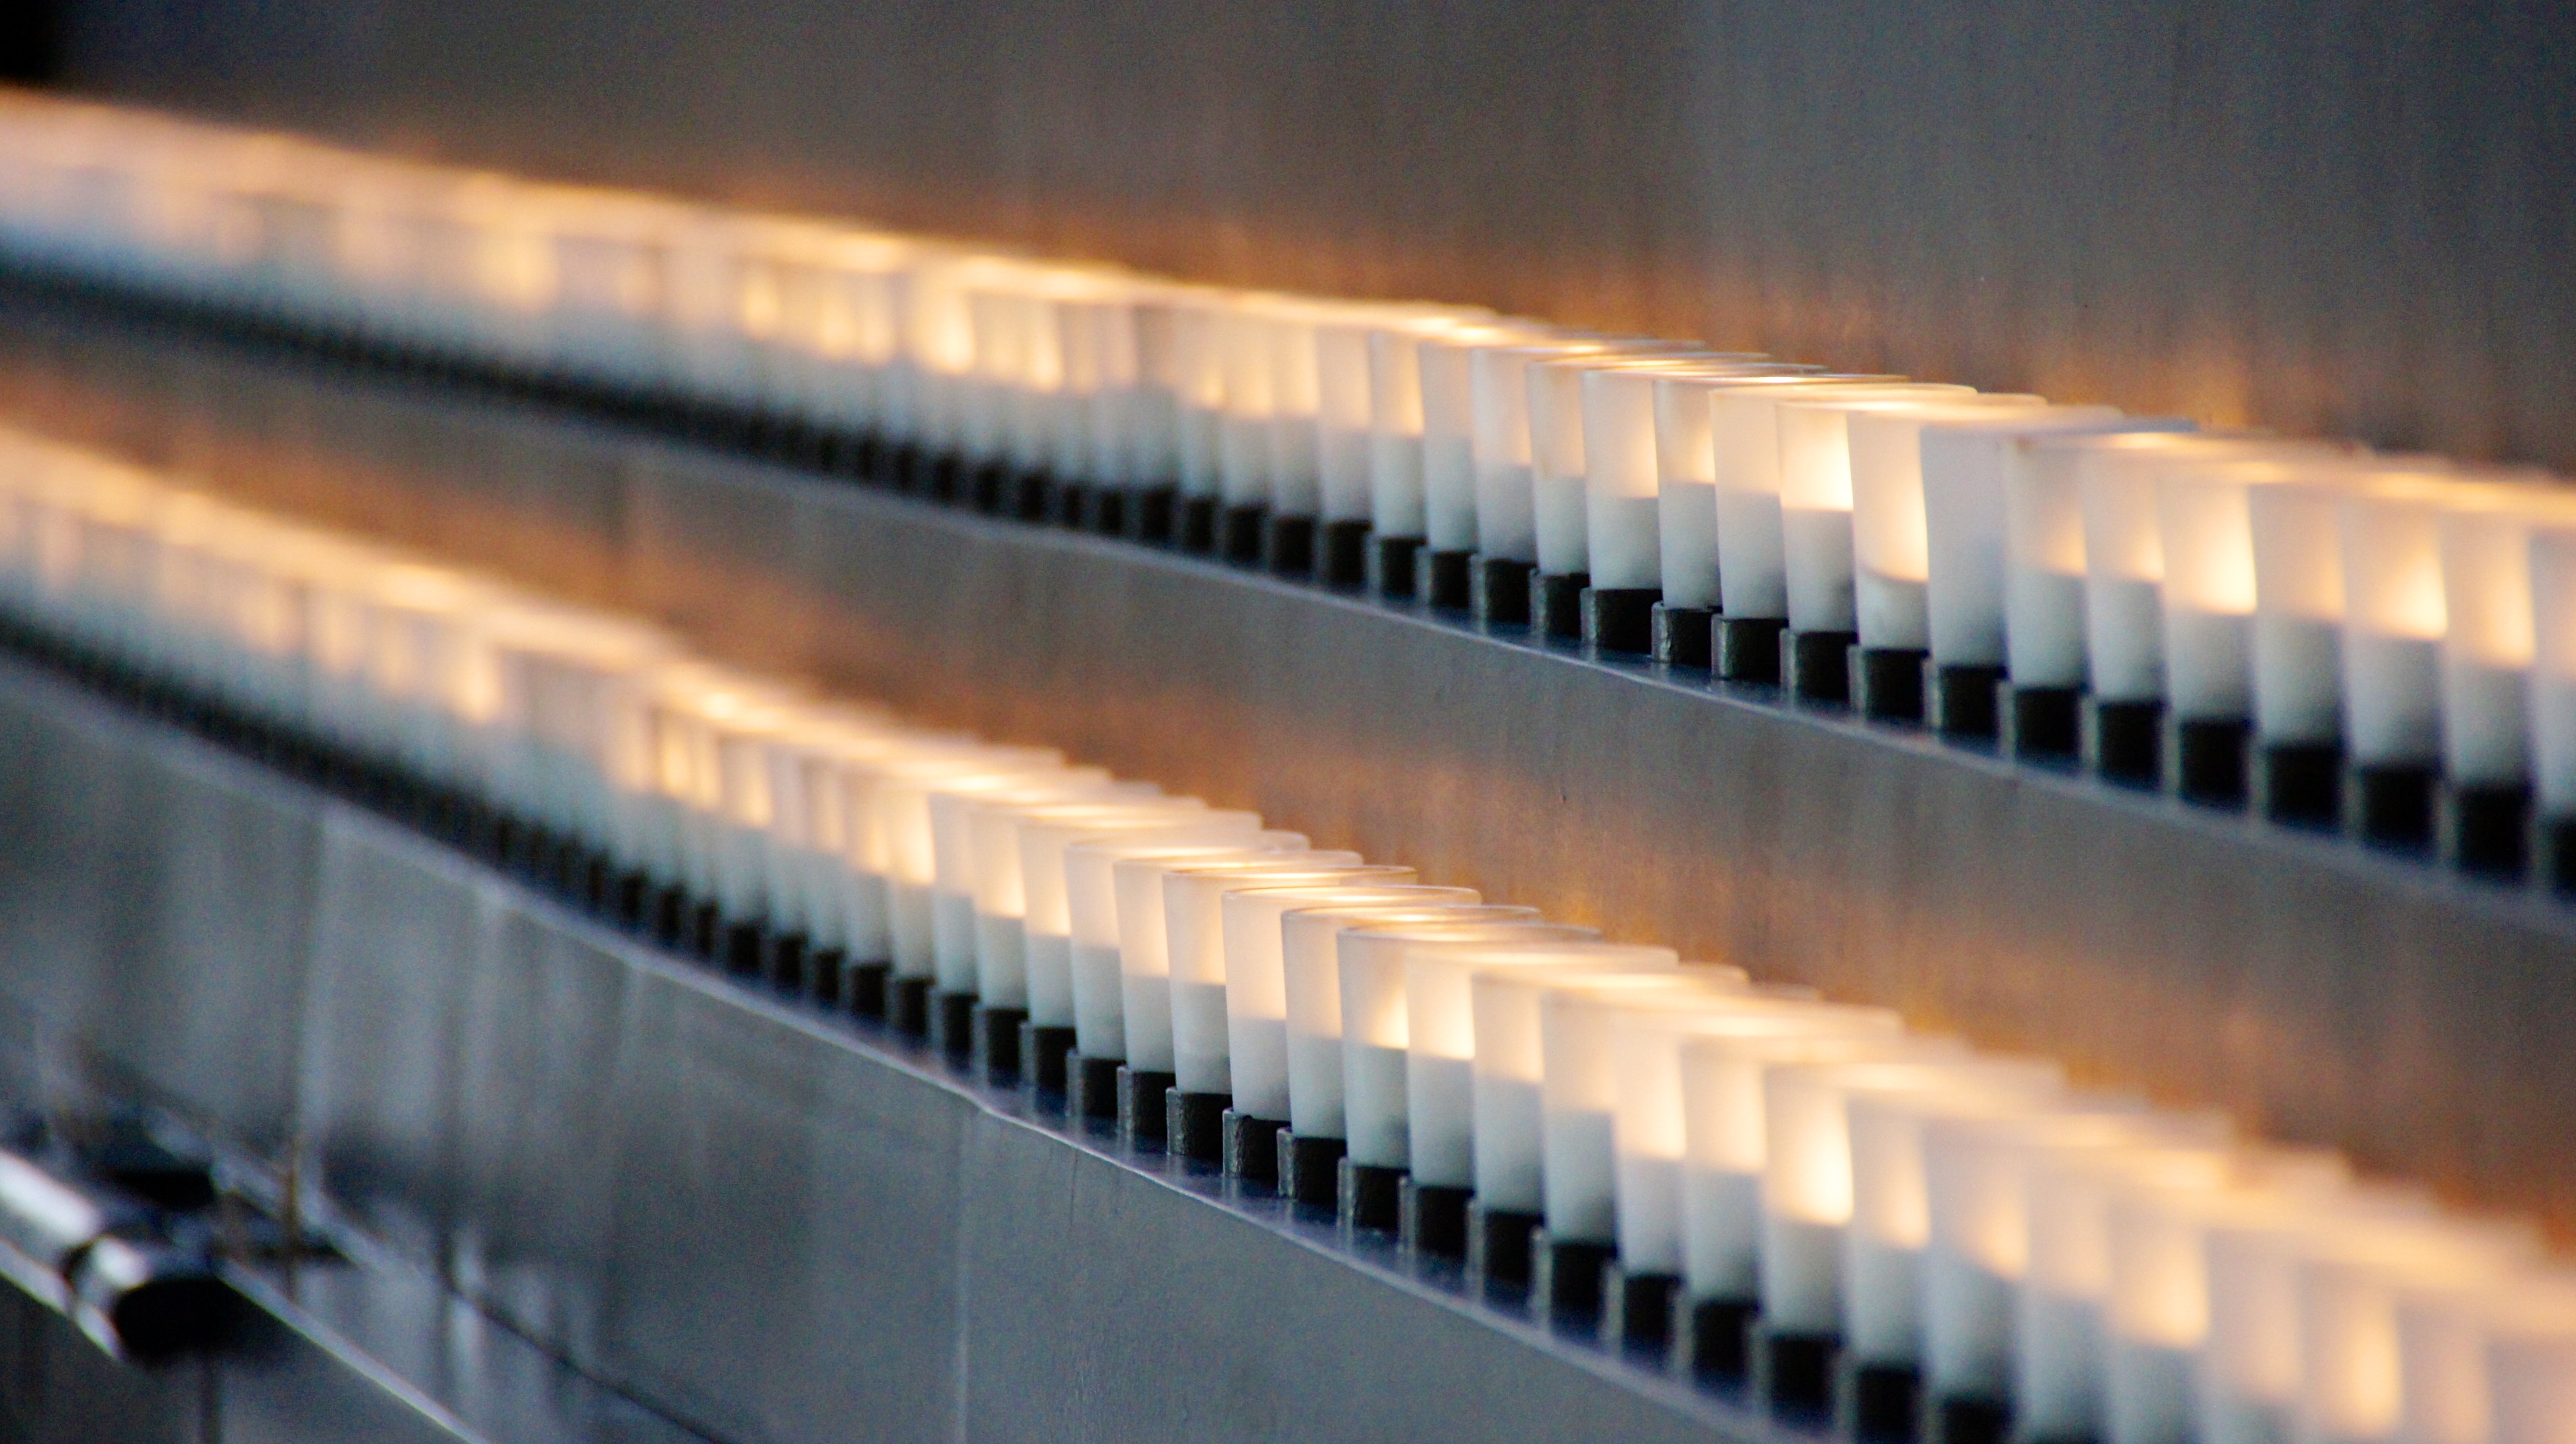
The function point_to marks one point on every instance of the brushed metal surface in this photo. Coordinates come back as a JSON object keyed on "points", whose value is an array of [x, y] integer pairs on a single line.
{"points": [[2318, 991], [763, 1223], [2348, 217]]}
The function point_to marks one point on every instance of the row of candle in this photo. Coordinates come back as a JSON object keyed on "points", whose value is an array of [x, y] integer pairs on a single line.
{"points": [[2340, 635], [1745, 1173]]}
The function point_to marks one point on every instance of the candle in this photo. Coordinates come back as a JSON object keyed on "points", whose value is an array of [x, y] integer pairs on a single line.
{"points": [[1890, 524], [995, 827], [1190, 327], [1295, 500], [1195, 946], [2299, 605], [1509, 1067], [1651, 1126], [954, 950], [2159, 1308], [2205, 526], [1807, 1192], [1403, 453], [2487, 646], [2248, 1379], [1506, 524], [1726, 1139], [2354, 1369], [1376, 1031], [1745, 439], [2393, 621], [1889, 1263], [1092, 911], [2061, 1326], [1587, 1026], [2531, 1362], [1144, 938], [1256, 978], [1623, 497], [1978, 1174], [1043, 836], [1561, 466], [1310, 960], [1450, 478]]}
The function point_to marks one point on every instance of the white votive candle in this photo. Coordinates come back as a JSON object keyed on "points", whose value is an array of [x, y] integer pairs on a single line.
{"points": [[955, 939], [1092, 907], [1807, 1193], [1047, 906], [2061, 1320], [995, 827], [1744, 440], [1194, 927], [1890, 527], [1144, 938], [2487, 646], [1651, 1126], [1509, 1067], [1376, 1023], [1965, 465], [2395, 616], [1310, 961], [1498, 398], [1256, 977], [1623, 495], [2355, 1373], [2299, 600]]}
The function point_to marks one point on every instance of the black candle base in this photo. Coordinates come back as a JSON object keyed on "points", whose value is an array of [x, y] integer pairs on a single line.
{"points": [[1618, 621], [1310, 1168], [1710, 1339], [826, 976], [1394, 566], [2487, 830], [1444, 577], [1364, 1195], [1431, 1219], [706, 932], [2039, 724], [997, 1043], [2392, 806], [1565, 1280], [1814, 667], [2123, 741], [1794, 1373], [2299, 784], [1194, 1125], [1091, 1087], [1498, 1247], [1877, 1403], [1141, 1112], [1251, 1147], [1637, 1310], [1107, 511], [1498, 591], [1683, 638], [744, 945], [1959, 699], [634, 903], [1556, 605], [1967, 1421], [1030, 495], [669, 910], [1153, 515], [910, 1007], [1073, 505], [783, 962], [1748, 649], [1045, 1049], [1886, 682], [991, 488], [952, 1024], [1239, 529], [1288, 546], [1194, 524], [2209, 760], [869, 988], [1341, 557]]}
